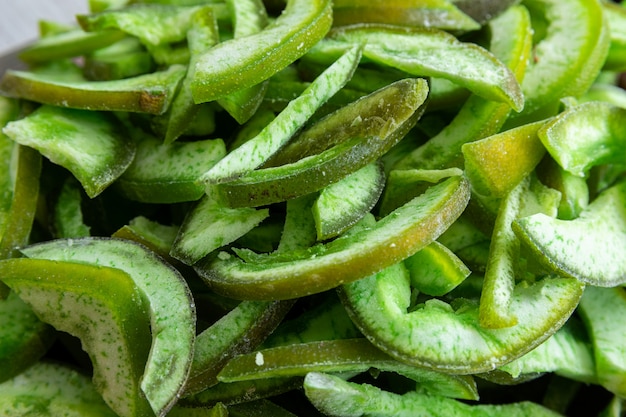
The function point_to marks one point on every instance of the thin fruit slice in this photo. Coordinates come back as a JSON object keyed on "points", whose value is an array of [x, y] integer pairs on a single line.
{"points": [[170, 307], [287, 275], [104, 309], [91, 145], [24, 339], [589, 248], [336, 356], [245, 61], [344, 203], [413, 334], [148, 93], [60, 391]]}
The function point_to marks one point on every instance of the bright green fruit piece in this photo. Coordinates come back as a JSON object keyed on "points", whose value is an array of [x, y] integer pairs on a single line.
{"points": [[502, 264], [274, 135], [567, 353], [68, 215], [494, 165], [156, 236], [602, 310], [393, 111], [91, 145], [479, 117], [380, 306], [153, 24], [51, 390], [24, 339], [344, 203], [238, 332], [104, 309], [616, 17], [287, 275], [575, 28], [298, 228], [168, 173], [211, 225], [440, 14], [436, 270], [337, 397], [149, 93], [337, 356], [245, 61], [588, 248], [429, 52], [588, 134], [68, 45], [169, 303]]}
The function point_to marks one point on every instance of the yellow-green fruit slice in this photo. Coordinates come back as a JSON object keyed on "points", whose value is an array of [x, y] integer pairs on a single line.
{"points": [[293, 274]]}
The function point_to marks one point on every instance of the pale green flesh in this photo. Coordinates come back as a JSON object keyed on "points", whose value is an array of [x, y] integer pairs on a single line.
{"points": [[392, 239], [435, 53], [88, 144], [172, 310], [589, 248], [478, 117], [574, 32], [342, 204], [103, 308], [168, 173], [567, 353], [602, 309], [211, 225], [257, 150], [586, 135], [60, 392], [24, 338], [335, 356], [465, 347], [335, 396]]}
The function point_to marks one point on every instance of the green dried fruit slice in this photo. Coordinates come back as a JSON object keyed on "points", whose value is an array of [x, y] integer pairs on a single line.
{"points": [[104, 309], [169, 304], [293, 274]]}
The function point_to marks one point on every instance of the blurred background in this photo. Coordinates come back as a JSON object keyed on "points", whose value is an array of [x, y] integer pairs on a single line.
{"points": [[19, 19]]}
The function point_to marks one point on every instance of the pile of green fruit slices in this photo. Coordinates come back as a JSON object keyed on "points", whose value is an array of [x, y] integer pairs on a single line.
{"points": [[248, 208]]}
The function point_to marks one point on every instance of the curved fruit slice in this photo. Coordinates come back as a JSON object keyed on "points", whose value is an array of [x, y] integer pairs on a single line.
{"points": [[336, 356], [430, 52], [104, 309], [394, 110], [24, 338], [440, 14], [149, 93], [586, 135], [245, 61], [287, 275], [255, 151], [576, 29], [89, 144], [378, 305], [171, 307], [335, 396], [237, 332], [344, 203], [590, 247], [51, 390], [602, 310], [168, 173]]}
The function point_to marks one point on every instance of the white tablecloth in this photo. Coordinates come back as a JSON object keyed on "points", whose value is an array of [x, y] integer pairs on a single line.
{"points": [[19, 18]]}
